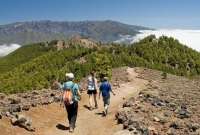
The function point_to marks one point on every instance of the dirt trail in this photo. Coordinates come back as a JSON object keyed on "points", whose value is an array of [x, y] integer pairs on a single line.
{"points": [[52, 120]]}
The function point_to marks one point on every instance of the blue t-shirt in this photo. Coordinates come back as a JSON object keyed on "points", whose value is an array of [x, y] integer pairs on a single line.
{"points": [[73, 86], [105, 89]]}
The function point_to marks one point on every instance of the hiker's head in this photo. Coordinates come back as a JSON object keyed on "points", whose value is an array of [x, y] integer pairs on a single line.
{"points": [[92, 73], [105, 78], [69, 76]]}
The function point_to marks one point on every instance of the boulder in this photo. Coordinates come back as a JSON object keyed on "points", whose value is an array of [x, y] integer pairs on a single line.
{"points": [[171, 131], [21, 118], [52, 94], [3, 103], [197, 132], [14, 100], [134, 122], [8, 114], [35, 93], [177, 124], [22, 121], [33, 104], [158, 117], [183, 113], [51, 100], [123, 115], [129, 103], [26, 96], [26, 107], [144, 131], [2, 96], [57, 98], [153, 131], [167, 114], [45, 101], [14, 108], [193, 126], [123, 132], [172, 106], [14, 121], [157, 102]]}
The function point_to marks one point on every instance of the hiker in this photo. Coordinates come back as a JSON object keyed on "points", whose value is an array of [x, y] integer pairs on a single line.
{"points": [[105, 89], [92, 90], [70, 96]]}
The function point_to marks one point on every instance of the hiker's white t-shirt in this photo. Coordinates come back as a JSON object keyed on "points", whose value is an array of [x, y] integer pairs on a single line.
{"points": [[92, 83]]}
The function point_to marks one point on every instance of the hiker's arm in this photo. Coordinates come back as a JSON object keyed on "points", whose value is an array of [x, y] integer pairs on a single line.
{"points": [[99, 91], [79, 94], [61, 99], [77, 89], [112, 91], [61, 93], [99, 94], [96, 84]]}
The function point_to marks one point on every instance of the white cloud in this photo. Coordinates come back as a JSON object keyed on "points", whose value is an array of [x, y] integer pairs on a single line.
{"points": [[6, 49], [190, 38]]}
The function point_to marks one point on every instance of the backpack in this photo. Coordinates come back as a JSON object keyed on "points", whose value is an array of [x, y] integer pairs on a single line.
{"points": [[68, 96]]}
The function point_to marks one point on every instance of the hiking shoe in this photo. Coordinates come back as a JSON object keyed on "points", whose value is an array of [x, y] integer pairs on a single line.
{"points": [[71, 130], [96, 107], [104, 114], [90, 108]]}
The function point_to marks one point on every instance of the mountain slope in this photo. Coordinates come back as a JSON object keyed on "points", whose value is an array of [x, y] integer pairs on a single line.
{"points": [[22, 55], [37, 31], [165, 54]]}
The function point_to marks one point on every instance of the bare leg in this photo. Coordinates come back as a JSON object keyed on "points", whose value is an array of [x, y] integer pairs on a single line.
{"points": [[106, 109], [95, 100], [90, 101]]}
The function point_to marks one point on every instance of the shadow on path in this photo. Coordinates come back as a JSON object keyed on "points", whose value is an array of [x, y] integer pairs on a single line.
{"points": [[62, 127], [87, 107], [101, 114]]}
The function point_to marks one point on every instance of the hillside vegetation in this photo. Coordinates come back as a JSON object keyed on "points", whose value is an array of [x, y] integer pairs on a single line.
{"points": [[165, 54], [22, 55]]}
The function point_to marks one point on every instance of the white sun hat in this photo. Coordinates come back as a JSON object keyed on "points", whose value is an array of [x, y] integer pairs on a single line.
{"points": [[69, 75]]}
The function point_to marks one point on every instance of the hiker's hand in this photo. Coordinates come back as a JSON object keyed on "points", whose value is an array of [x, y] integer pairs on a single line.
{"points": [[62, 105]]}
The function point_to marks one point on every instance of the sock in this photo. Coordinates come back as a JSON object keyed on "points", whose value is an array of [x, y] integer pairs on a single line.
{"points": [[106, 109]]}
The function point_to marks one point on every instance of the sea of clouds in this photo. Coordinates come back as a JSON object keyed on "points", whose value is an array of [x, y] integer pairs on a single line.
{"points": [[6, 49], [190, 38]]}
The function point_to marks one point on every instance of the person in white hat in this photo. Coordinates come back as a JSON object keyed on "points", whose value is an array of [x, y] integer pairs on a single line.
{"points": [[71, 96]]}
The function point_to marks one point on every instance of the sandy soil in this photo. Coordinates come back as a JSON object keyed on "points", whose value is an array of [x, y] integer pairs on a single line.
{"points": [[52, 119]]}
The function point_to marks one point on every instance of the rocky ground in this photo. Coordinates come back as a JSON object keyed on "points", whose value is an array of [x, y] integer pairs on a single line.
{"points": [[13, 106], [165, 105], [170, 105]]}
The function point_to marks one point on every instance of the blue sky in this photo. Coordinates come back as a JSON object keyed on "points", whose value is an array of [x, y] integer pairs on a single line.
{"points": [[152, 13]]}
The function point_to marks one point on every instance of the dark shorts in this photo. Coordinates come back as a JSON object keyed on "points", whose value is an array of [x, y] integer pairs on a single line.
{"points": [[92, 92], [106, 100]]}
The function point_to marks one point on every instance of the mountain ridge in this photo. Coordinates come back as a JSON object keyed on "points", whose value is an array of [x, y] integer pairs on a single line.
{"points": [[46, 30]]}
